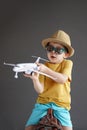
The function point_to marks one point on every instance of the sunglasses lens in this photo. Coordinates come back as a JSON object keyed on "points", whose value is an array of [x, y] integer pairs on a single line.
{"points": [[57, 50], [60, 50], [50, 48]]}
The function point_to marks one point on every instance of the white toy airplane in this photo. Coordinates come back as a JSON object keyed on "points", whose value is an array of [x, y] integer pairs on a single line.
{"points": [[27, 68]]}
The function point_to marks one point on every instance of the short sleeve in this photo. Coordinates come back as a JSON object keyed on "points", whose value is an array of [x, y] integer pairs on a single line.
{"points": [[67, 69]]}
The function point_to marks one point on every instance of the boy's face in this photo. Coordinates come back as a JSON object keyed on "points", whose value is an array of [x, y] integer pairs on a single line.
{"points": [[56, 52]]}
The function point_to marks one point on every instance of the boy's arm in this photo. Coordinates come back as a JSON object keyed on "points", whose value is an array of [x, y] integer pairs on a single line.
{"points": [[58, 77], [39, 87]]}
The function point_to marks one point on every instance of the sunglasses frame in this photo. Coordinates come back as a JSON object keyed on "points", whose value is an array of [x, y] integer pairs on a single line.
{"points": [[57, 50]]}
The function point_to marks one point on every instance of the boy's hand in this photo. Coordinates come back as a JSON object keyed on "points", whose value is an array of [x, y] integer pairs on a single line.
{"points": [[32, 76], [42, 67]]}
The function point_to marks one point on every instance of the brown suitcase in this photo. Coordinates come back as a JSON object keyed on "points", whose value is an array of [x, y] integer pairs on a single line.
{"points": [[49, 122]]}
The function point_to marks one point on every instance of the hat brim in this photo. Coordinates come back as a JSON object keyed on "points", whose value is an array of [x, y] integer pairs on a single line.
{"points": [[70, 49]]}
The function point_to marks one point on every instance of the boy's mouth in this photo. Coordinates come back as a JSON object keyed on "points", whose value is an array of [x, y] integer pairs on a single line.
{"points": [[53, 57]]}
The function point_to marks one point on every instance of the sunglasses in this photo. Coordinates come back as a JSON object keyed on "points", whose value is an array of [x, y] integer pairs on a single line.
{"points": [[57, 50]]}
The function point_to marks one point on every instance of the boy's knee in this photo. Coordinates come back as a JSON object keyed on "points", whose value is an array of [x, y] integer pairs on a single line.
{"points": [[32, 127]]}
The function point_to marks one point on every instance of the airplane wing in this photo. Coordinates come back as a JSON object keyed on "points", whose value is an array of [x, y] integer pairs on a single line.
{"points": [[9, 64]]}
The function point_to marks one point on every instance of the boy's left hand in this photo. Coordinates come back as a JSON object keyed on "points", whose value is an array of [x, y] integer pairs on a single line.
{"points": [[33, 75]]}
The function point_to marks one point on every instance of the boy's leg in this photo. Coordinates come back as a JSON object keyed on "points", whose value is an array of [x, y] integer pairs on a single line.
{"points": [[37, 113], [32, 127], [63, 116], [67, 128]]}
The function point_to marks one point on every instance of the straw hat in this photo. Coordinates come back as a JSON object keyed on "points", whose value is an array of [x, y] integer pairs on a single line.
{"points": [[62, 38]]}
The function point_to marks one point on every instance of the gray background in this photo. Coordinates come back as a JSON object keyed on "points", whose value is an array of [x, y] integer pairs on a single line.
{"points": [[23, 24]]}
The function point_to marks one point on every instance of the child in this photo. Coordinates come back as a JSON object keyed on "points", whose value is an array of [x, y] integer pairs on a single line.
{"points": [[54, 92]]}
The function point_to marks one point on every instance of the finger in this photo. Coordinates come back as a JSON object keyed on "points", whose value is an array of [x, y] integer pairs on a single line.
{"points": [[38, 63], [31, 73], [27, 75]]}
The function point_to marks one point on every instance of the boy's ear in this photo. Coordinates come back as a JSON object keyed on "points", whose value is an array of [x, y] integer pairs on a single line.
{"points": [[66, 55]]}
